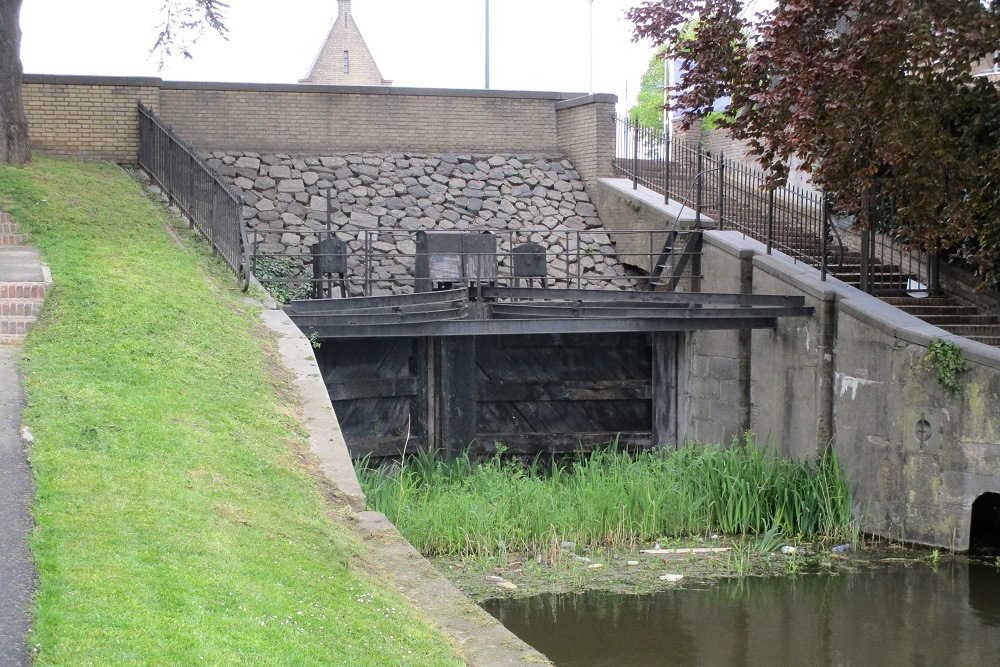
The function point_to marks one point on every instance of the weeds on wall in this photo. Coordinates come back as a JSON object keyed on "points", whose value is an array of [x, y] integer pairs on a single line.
{"points": [[949, 362], [611, 498], [276, 275]]}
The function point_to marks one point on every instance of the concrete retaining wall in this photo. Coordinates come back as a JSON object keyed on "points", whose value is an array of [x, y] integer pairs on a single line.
{"points": [[852, 375]]}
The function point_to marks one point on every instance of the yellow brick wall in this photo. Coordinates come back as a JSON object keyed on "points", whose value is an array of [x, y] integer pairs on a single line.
{"points": [[95, 117], [87, 117]]}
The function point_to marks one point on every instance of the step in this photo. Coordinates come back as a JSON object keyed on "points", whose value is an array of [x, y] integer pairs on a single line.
{"points": [[946, 320], [19, 290], [901, 301], [21, 307], [986, 340], [968, 330], [940, 311], [14, 239], [9, 228], [16, 326]]}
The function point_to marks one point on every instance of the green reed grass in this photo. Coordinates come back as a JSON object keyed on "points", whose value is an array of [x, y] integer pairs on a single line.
{"points": [[610, 498]]}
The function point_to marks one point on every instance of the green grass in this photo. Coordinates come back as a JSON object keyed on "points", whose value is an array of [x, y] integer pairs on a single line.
{"points": [[176, 522], [610, 499]]}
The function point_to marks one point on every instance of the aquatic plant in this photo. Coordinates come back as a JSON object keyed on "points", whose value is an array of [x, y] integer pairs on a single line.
{"points": [[610, 498]]}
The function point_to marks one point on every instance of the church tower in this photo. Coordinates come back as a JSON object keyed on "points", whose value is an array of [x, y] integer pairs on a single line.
{"points": [[344, 58]]}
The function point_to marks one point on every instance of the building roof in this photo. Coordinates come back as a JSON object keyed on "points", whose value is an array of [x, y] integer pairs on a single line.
{"points": [[344, 58]]}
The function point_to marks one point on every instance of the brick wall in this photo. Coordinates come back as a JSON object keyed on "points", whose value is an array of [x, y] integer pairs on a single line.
{"points": [[586, 128], [95, 117], [88, 117]]}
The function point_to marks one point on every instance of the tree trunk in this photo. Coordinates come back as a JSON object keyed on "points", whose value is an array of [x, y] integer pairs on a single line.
{"points": [[13, 123]]}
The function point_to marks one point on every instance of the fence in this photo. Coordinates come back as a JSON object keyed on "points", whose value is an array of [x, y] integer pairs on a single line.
{"points": [[362, 262], [212, 206], [793, 220]]}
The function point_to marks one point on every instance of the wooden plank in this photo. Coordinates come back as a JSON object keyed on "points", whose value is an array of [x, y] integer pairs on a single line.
{"points": [[382, 447], [457, 372], [373, 388], [664, 385], [564, 390], [561, 443], [563, 417]]}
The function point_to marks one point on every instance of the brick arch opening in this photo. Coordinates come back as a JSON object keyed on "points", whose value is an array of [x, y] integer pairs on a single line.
{"points": [[984, 532]]}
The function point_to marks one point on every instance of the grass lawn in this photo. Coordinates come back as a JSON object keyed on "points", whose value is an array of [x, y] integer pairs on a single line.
{"points": [[177, 524]]}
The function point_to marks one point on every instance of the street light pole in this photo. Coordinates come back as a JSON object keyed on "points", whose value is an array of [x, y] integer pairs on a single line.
{"points": [[591, 46], [487, 44]]}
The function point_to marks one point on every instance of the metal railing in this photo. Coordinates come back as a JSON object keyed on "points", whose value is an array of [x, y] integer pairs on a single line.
{"points": [[214, 208], [796, 221], [382, 262]]}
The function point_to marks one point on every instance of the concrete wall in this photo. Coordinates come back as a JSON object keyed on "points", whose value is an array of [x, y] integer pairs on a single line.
{"points": [[95, 117], [852, 375]]}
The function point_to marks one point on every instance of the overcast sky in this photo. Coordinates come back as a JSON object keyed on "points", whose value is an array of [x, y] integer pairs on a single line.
{"points": [[535, 44]]}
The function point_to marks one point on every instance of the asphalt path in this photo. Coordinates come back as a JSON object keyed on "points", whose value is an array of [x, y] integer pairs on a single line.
{"points": [[17, 568]]}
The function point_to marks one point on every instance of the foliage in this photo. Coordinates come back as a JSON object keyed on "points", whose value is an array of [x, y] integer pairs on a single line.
{"points": [[947, 358], [276, 274], [176, 524], [184, 22], [648, 109], [610, 498], [866, 95]]}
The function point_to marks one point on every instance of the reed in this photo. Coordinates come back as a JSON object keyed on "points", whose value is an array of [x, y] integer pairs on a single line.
{"points": [[611, 498]]}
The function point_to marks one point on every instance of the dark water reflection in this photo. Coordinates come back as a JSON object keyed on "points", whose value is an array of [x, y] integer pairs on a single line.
{"points": [[890, 615]]}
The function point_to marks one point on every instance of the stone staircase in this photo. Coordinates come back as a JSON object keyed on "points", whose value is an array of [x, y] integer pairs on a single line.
{"points": [[24, 283], [953, 315]]}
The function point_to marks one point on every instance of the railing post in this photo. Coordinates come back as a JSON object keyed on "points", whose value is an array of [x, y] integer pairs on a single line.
{"points": [[635, 158], [934, 273], [770, 219], [698, 186], [722, 190], [826, 236], [666, 168], [866, 252]]}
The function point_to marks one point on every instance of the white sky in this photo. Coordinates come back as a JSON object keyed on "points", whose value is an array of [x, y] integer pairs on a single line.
{"points": [[535, 44]]}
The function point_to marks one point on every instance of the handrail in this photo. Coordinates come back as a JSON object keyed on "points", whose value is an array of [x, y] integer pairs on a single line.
{"points": [[212, 206]]}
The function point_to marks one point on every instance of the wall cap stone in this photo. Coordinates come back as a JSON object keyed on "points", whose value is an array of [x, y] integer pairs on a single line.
{"points": [[67, 79], [646, 198], [595, 98], [78, 80]]}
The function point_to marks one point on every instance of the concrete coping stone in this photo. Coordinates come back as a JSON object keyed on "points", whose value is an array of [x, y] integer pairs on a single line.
{"points": [[87, 80], [643, 196], [867, 308], [594, 98]]}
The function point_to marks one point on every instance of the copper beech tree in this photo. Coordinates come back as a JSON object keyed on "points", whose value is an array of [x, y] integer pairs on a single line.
{"points": [[183, 21], [874, 97]]}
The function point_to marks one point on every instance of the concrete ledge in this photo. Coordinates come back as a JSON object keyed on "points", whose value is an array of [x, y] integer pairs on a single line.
{"points": [[672, 212], [75, 80], [325, 437], [867, 308], [595, 98], [482, 640]]}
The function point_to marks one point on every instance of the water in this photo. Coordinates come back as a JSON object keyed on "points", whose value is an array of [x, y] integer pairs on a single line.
{"points": [[899, 614]]}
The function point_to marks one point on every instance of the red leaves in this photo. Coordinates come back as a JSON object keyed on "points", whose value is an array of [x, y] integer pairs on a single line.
{"points": [[863, 93]]}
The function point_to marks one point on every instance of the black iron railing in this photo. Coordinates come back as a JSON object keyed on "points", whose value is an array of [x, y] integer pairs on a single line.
{"points": [[350, 262], [796, 221], [214, 208]]}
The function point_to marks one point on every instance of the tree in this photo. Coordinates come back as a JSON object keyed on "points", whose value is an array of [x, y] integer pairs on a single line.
{"points": [[648, 109], [874, 98], [183, 22]]}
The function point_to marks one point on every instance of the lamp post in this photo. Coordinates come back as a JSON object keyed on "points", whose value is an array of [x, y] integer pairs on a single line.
{"points": [[591, 3], [487, 44]]}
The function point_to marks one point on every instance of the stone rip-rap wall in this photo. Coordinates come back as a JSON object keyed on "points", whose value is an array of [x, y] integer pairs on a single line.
{"points": [[542, 198]]}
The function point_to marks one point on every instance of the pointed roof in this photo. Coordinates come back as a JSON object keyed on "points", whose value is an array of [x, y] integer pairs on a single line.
{"points": [[344, 58]]}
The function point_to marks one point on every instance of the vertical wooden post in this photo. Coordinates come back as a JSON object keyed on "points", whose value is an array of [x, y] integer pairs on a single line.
{"points": [[457, 394], [664, 383]]}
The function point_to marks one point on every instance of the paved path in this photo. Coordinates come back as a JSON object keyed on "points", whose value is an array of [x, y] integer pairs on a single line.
{"points": [[17, 568]]}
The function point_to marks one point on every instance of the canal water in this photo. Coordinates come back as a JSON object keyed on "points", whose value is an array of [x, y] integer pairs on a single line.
{"points": [[891, 614]]}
